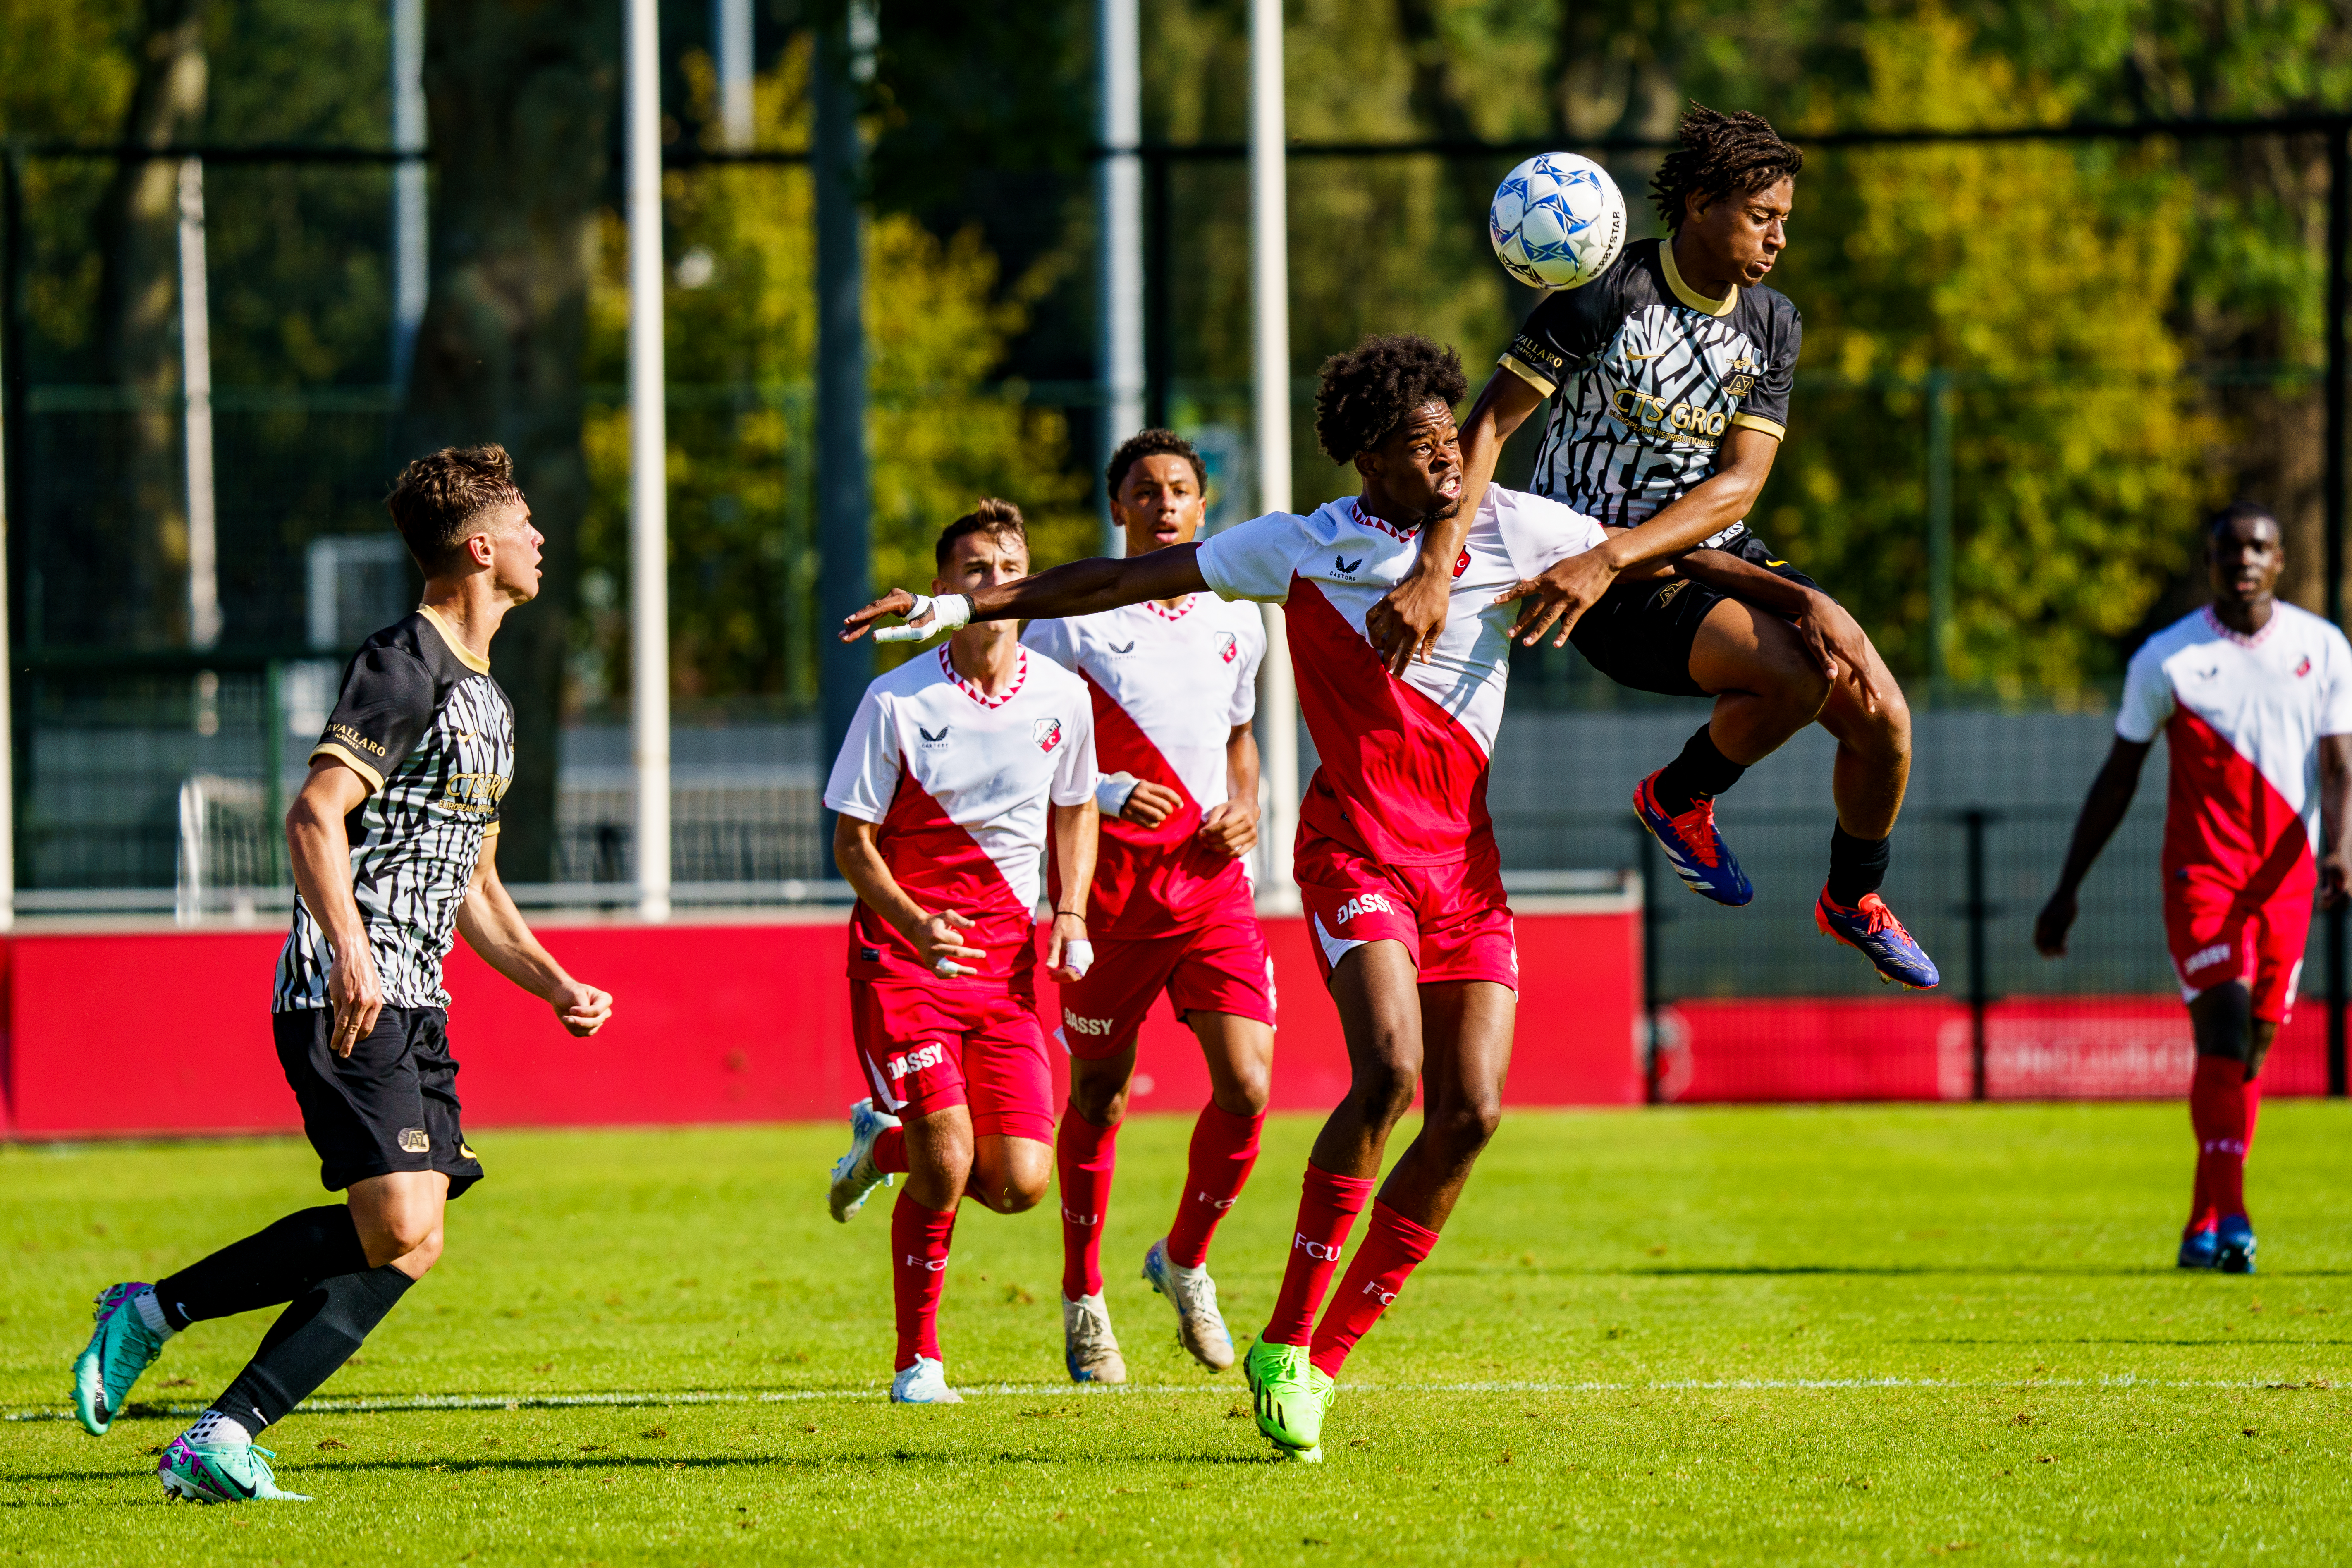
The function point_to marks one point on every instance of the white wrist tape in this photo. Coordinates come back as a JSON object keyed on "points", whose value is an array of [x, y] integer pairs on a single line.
{"points": [[1111, 792], [948, 613], [1079, 956]]}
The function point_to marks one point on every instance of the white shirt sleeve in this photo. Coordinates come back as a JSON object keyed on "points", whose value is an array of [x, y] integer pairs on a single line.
{"points": [[1074, 775], [1056, 639], [866, 775], [2335, 710], [1536, 530], [2148, 699], [1249, 634], [1254, 560]]}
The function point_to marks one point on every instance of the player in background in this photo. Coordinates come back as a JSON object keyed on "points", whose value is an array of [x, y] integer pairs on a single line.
{"points": [[1669, 378], [959, 768], [1174, 685], [2253, 698], [393, 842], [1395, 856]]}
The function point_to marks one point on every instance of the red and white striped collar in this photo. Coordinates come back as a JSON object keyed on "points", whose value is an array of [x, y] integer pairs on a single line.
{"points": [[2240, 638], [1369, 521], [1020, 678], [1165, 613]]}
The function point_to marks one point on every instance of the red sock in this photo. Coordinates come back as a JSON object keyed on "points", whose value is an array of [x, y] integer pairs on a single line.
{"points": [[919, 1268], [1327, 1208], [2202, 1215], [2253, 1093], [1393, 1247], [1085, 1156], [1225, 1147], [890, 1151], [2216, 1112]]}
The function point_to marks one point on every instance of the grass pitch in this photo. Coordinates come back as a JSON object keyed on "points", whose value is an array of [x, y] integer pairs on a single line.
{"points": [[1726, 1336]]}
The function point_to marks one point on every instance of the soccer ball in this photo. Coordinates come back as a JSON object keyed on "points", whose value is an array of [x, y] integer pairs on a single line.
{"points": [[1557, 221]]}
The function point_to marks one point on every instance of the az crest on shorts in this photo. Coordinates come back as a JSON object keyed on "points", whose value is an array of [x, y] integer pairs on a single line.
{"points": [[1047, 734]]}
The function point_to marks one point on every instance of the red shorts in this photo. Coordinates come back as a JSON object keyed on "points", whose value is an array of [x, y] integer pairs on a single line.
{"points": [[929, 1045], [2215, 938], [1220, 967], [1453, 917]]}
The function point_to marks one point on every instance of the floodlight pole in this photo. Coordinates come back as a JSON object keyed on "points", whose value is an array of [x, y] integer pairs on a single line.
{"points": [[2339, 234], [1118, 178], [730, 39], [196, 386], [1277, 703], [649, 461], [409, 259]]}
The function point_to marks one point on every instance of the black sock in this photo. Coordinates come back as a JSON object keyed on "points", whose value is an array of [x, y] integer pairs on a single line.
{"points": [[1701, 773], [309, 1340], [265, 1268], [1857, 866]]}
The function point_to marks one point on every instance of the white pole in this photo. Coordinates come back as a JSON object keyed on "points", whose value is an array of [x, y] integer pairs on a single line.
{"points": [[408, 210], [197, 379], [7, 729], [731, 28], [649, 457], [1270, 374], [1119, 192]]}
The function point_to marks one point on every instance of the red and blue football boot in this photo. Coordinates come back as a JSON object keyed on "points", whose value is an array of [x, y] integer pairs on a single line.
{"points": [[1871, 927], [1693, 848], [2200, 1249]]}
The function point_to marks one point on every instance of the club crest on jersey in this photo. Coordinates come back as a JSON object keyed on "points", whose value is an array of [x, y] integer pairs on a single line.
{"points": [[1047, 734], [2303, 668], [930, 739], [1462, 562], [1344, 567], [1228, 649]]}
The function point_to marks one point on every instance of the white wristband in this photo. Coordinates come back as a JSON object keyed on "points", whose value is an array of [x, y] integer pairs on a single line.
{"points": [[1111, 793], [948, 613]]}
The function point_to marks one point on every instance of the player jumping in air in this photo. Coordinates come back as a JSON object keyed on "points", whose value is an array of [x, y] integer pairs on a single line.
{"points": [[1669, 378], [958, 767], [2254, 701], [1174, 683], [394, 841], [1395, 856]]}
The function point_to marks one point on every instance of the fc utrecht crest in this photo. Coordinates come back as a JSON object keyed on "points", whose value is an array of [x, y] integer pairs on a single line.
{"points": [[1227, 649], [1047, 734]]}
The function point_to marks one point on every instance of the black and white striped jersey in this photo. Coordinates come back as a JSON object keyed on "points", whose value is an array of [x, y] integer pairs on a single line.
{"points": [[421, 720], [1646, 376]]}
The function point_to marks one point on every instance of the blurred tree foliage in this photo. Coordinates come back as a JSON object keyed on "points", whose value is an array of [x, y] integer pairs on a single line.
{"points": [[740, 341]]}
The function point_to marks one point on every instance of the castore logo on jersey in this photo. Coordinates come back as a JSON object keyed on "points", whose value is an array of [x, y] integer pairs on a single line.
{"points": [[1344, 567], [930, 740]]}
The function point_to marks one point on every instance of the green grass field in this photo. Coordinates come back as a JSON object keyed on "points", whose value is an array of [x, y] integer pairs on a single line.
{"points": [[1709, 1336]]}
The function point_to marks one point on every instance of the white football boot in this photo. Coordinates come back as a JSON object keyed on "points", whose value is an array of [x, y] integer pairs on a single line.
{"points": [[1200, 1327], [924, 1383], [1088, 1347], [853, 1175]]}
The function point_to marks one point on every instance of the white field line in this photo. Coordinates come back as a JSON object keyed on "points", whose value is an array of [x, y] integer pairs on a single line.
{"points": [[421, 1401]]}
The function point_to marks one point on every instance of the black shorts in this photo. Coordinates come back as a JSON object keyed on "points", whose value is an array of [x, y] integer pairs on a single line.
{"points": [[1640, 633], [391, 1105]]}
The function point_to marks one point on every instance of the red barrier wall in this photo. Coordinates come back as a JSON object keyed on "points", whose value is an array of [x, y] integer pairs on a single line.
{"points": [[168, 1032]]}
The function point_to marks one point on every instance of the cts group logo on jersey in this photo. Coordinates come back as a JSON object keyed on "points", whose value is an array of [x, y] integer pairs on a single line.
{"points": [[1047, 734]]}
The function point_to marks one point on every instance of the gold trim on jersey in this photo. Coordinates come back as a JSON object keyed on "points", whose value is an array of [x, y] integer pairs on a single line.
{"points": [[1685, 293], [1757, 422], [1511, 363], [466, 656], [350, 760]]}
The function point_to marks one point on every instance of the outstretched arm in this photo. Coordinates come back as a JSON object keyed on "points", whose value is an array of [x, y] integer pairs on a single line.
{"points": [[494, 928], [1409, 617], [1080, 588], [2103, 812]]}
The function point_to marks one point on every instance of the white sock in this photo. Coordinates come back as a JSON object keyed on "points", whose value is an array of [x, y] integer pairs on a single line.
{"points": [[1178, 1272], [214, 1430], [151, 1312]]}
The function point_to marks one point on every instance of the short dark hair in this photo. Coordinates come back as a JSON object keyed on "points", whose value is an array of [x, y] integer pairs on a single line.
{"points": [[2238, 509], [438, 495], [999, 520], [1363, 395], [1153, 443], [1720, 154]]}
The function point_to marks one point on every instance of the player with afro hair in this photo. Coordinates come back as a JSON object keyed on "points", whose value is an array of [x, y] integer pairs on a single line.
{"points": [[1366, 393]]}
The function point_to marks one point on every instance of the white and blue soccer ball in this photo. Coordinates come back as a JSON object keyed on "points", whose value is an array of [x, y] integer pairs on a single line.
{"points": [[1557, 221]]}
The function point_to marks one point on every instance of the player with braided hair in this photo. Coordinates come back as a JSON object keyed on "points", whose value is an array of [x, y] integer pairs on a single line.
{"points": [[1669, 378]]}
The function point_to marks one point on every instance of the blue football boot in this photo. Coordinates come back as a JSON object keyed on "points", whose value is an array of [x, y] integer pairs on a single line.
{"points": [[1871, 929], [2234, 1245], [1693, 848], [2200, 1248]]}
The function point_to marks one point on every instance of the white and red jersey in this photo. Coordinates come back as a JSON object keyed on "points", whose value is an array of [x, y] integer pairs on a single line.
{"points": [[2243, 718], [1169, 687], [960, 782], [1404, 774]]}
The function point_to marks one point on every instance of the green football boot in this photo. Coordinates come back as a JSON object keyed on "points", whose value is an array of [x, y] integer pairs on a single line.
{"points": [[122, 1346], [1291, 1397], [225, 1472]]}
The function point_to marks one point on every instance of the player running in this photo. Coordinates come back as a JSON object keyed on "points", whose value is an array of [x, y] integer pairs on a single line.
{"points": [[2254, 701], [959, 766], [1669, 378], [1395, 858], [1174, 684], [394, 841]]}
